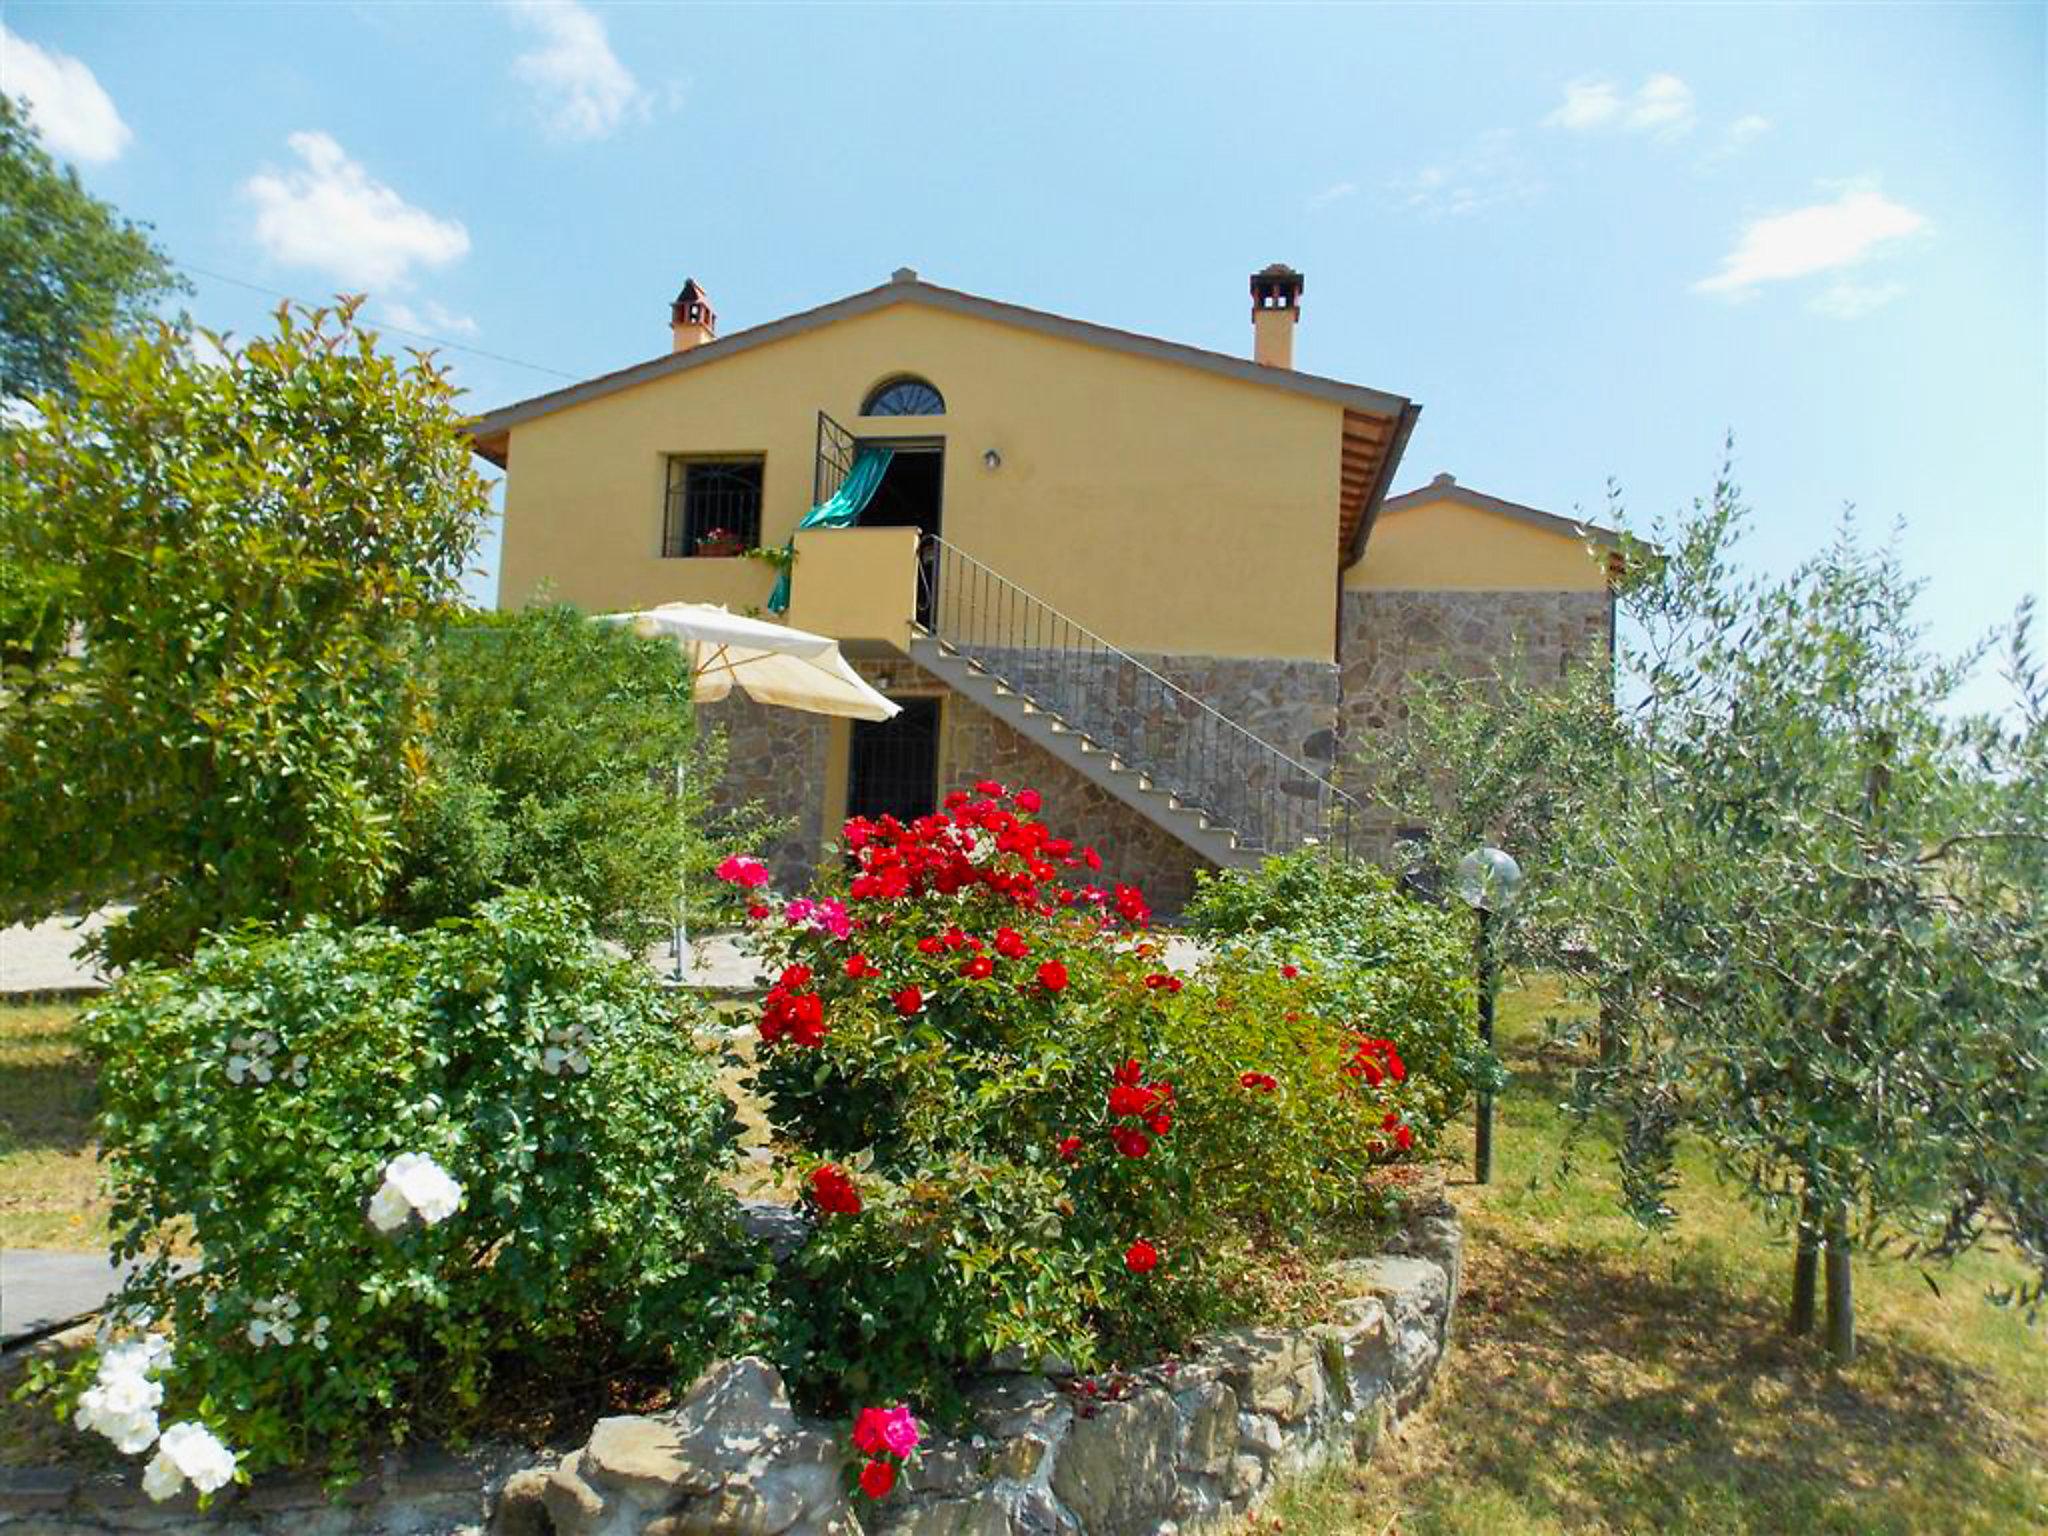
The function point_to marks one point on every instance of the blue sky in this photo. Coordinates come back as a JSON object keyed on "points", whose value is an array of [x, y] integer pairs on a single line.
{"points": [[1590, 240]]}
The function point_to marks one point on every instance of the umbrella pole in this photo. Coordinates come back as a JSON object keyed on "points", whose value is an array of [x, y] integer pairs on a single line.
{"points": [[679, 940]]}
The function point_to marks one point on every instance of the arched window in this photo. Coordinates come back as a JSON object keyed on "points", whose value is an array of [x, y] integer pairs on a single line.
{"points": [[904, 396]]}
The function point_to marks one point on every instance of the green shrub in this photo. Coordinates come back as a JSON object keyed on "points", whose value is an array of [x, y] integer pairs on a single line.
{"points": [[1024, 1107], [254, 1102], [1395, 967], [553, 742], [211, 644]]}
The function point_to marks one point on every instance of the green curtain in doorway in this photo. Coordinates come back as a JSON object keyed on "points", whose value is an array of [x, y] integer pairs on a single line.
{"points": [[842, 509]]}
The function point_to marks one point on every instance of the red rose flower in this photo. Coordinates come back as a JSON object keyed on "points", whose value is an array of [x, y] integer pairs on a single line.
{"points": [[832, 1187], [1010, 944], [877, 1478], [1163, 981], [1070, 1149], [868, 1438], [858, 966], [1130, 1142], [1289, 972], [1129, 1099], [908, 1001], [932, 946], [1027, 800], [980, 968], [1141, 1258], [1053, 976], [989, 787], [757, 912]]}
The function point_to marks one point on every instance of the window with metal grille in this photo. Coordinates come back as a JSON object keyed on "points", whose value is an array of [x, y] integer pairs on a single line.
{"points": [[713, 505]]}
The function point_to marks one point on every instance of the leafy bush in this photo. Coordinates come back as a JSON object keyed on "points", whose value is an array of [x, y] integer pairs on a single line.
{"points": [[1022, 1133], [240, 558], [521, 1111], [553, 742], [1395, 967]]}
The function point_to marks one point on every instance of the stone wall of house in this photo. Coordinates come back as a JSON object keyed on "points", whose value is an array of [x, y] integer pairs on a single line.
{"points": [[1291, 704], [1388, 639], [1134, 850], [776, 758], [1315, 713], [1185, 1445]]}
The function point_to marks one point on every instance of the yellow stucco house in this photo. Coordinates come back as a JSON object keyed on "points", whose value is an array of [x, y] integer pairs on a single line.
{"points": [[1164, 585]]}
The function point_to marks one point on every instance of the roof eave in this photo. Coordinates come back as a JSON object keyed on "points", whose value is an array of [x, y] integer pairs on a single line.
{"points": [[497, 424], [1409, 413], [1464, 496]]}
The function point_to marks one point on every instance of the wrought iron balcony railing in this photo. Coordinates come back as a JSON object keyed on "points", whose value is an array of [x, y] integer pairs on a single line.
{"points": [[1206, 761]]}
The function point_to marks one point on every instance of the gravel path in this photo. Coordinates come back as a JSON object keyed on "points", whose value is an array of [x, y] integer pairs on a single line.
{"points": [[42, 957]]}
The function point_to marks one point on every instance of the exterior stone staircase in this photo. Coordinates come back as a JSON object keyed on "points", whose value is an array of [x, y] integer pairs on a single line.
{"points": [[1230, 796]]}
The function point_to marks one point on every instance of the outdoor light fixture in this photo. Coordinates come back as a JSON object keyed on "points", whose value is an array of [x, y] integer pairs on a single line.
{"points": [[991, 459], [1489, 881]]}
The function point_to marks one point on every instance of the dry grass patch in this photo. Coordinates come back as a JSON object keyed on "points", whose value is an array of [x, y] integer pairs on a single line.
{"points": [[1604, 1382], [49, 1173]]}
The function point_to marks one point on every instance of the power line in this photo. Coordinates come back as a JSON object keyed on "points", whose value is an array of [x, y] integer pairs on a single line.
{"points": [[439, 341]]}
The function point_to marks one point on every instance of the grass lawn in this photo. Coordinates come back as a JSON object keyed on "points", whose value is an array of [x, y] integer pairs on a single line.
{"points": [[1604, 1382], [49, 1180]]}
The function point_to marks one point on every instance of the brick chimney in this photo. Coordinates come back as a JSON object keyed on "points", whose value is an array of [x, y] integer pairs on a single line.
{"points": [[691, 321], [1276, 310]]}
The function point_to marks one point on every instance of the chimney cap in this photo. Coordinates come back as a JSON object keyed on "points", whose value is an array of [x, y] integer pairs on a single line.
{"points": [[1445, 479], [903, 275], [691, 292], [1277, 286]]}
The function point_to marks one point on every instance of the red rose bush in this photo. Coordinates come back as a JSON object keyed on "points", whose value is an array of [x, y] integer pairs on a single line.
{"points": [[1018, 1131]]}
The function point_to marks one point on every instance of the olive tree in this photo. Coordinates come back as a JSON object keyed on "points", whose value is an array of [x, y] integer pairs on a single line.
{"points": [[1813, 896], [217, 577]]}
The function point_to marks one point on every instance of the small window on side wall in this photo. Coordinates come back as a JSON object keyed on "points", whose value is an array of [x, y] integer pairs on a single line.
{"points": [[904, 395], [713, 507]]}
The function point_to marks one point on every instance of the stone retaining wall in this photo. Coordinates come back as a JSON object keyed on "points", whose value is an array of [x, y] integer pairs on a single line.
{"points": [[1189, 1444]]}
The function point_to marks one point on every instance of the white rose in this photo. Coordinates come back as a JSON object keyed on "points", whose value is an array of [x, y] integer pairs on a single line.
{"points": [[161, 1479], [426, 1186], [388, 1209], [199, 1455]]}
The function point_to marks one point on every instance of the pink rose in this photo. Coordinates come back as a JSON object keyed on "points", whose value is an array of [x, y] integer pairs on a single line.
{"points": [[740, 870], [899, 1430]]}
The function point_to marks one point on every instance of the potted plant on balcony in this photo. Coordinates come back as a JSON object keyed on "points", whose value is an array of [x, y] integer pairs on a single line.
{"points": [[720, 544]]}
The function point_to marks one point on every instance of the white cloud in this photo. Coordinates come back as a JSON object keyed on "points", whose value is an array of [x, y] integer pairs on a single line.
{"points": [[1821, 237], [1661, 106], [330, 214], [1492, 171], [1587, 104], [1734, 139], [581, 89], [1745, 130], [430, 318], [66, 102], [1851, 301], [1336, 192]]}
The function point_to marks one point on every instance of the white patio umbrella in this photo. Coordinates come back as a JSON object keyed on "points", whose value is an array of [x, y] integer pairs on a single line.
{"points": [[770, 663]]}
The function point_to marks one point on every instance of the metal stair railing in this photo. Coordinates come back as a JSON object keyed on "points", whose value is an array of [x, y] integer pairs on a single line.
{"points": [[1186, 747]]}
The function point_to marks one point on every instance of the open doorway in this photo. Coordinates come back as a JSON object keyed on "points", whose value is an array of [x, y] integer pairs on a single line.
{"points": [[912, 495], [893, 765]]}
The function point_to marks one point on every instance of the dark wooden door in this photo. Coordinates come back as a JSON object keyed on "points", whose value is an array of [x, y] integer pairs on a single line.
{"points": [[893, 768]]}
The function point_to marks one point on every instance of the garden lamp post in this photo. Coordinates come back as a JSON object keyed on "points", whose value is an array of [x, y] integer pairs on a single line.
{"points": [[1489, 881]]}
